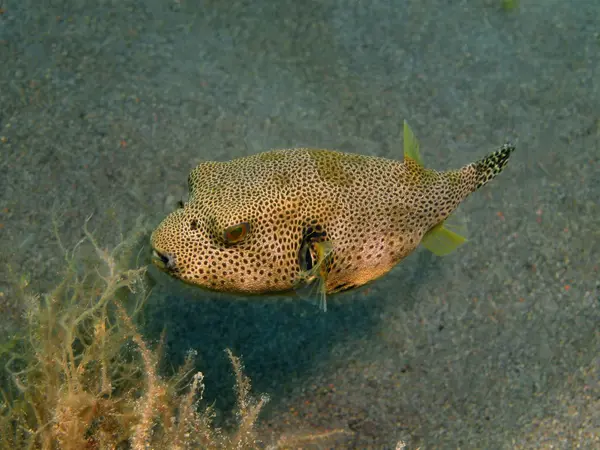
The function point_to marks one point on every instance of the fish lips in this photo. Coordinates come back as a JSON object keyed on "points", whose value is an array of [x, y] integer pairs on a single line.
{"points": [[163, 260]]}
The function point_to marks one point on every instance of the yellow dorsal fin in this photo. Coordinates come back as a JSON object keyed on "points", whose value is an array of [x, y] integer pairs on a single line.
{"points": [[411, 145], [441, 241]]}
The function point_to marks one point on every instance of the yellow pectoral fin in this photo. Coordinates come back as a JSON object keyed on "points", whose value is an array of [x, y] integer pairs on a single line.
{"points": [[324, 250], [314, 281], [441, 241]]}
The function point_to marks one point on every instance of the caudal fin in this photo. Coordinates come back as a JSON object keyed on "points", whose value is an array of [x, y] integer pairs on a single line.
{"points": [[490, 166]]}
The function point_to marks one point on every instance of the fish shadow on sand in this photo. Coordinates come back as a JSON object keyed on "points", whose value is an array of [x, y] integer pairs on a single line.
{"points": [[281, 339]]}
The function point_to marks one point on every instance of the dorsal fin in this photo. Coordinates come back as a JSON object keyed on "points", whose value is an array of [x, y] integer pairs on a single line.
{"points": [[411, 146]]}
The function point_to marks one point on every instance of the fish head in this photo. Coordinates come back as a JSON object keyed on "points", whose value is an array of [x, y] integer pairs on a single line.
{"points": [[236, 233]]}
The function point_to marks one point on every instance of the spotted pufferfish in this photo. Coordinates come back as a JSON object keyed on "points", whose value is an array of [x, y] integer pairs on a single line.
{"points": [[286, 219]]}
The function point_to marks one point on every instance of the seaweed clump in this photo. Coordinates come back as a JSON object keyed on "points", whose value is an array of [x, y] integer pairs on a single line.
{"points": [[81, 376]]}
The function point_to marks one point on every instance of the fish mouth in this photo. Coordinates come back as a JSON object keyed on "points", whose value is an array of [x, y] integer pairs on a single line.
{"points": [[163, 260]]}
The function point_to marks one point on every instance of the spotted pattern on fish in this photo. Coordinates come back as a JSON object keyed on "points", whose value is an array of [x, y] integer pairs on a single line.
{"points": [[374, 211]]}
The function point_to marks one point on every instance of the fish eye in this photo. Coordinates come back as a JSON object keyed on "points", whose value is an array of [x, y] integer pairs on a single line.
{"points": [[180, 204], [236, 233]]}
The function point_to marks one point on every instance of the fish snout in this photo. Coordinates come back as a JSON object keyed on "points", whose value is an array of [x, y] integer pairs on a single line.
{"points": [[163, 260]]}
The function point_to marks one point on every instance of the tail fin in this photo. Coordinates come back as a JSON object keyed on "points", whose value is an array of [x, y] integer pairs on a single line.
{"points": [[490, 166]]}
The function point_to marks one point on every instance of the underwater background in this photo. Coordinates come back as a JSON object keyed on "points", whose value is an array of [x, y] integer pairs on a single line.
{"points": [[106, 106]]}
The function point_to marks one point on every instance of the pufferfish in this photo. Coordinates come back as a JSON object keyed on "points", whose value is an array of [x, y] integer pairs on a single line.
{"points": [[286, 219]]}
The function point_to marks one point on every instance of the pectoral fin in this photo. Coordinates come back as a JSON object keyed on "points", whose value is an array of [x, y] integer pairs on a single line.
{"points": [[321, 252]]}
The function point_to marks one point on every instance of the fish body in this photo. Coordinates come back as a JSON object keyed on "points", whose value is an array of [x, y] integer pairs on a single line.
{"points": [[272, 221]]}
